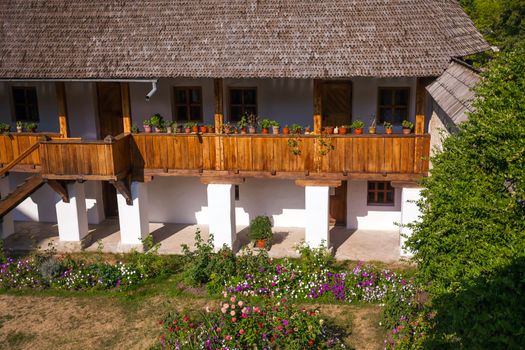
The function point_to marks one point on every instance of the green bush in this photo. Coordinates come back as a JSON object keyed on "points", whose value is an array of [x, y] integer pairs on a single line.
{"points": [[260, 228]]}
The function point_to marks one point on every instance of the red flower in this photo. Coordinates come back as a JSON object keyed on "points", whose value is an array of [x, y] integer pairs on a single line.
{"points": [[170, 329], [310, 342], [186, 318], [241, 331], [161, 322], [279, 327], [174, 321], [177, 328], [259, 324]]}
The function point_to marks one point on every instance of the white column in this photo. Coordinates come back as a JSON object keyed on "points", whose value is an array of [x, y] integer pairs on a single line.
{"points": [[221, 214], [7, 226], [72, 216], [410, 213], [317, 215], [134, 219]]}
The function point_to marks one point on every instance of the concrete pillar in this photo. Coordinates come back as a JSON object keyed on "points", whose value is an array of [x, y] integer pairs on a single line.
{"points": [[410, 213], [72, 216], [317, 206], [221, 214], [134, 219], [7, 226]]}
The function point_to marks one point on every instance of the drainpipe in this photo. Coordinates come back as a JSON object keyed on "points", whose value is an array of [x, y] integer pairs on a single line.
{"points": [[153, 90]]}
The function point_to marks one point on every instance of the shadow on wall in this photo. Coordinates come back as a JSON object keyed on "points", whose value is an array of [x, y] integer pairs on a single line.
{"points": [[39, 207]]}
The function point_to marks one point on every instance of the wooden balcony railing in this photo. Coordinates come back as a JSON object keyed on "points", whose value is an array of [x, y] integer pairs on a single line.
{"points": [[12, 145]]}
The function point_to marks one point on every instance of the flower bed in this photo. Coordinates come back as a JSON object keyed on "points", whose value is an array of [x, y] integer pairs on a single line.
{"points": [[241, 325]]}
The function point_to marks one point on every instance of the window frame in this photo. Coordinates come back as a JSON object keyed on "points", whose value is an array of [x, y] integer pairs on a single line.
{"points": [[14, 104], [243, 105], [388, 188], [393, 106], [188, 104]]}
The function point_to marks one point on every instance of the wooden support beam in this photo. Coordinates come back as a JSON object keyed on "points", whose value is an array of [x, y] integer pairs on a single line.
{"points": [[126, 107], [207, 180], [219, 105], [318, 106], [421, 94], [62, 108], [123, 187], [405, 184], [60, 187], [329, 183]]}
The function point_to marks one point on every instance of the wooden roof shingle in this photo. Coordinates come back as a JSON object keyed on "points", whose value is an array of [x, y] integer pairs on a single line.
{"points": [[236, 38]]}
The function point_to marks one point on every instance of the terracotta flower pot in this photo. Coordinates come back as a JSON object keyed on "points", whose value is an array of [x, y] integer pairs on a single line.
{"points": [[261, 243], [371, 130], [187, 130], [147, 129], [195, 129], [342, 131], [178, 129], [203, 129], [265, 130], [358, 131], [211, 130], [275, 130], [407, 131], [251, 130], [157, 129], [307, 130], [227, 129], [388, 131], [286, 131], [169, 129], [329, 130]]}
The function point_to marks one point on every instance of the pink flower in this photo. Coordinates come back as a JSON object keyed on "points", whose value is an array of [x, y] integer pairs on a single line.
{"points": [[225, 305], [232, 299], [228, 337], [241, 331], [232, 313], [240, 303], [234, 319]]}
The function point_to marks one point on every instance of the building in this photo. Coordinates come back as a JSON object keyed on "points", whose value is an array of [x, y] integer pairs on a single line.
{"points": [[83, 71]]}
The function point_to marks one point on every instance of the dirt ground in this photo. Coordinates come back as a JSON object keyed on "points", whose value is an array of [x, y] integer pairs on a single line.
{"points": [[112, 322]]}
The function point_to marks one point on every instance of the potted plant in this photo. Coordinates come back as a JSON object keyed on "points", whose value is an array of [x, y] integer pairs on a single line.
{"points": [[329, 130], [211, 128], [286, 130], [275, 127], [5, 128], [19, 126], [242, 124], [169, 127], [358, 126], [178, 127], [188, 127], [227, 128], [147, 126], [31, 127], [203, 129], [265, 125], [261, 231], [252, 122], [407, 126], [344, 129], [134, 129], [307, 129], [296, 129], [388, 127], [157, 121], [195, 128], [372, 127]]}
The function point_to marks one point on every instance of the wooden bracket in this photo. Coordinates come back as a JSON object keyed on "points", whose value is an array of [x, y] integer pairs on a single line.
{"points": [[60, 187], [123, 187]]}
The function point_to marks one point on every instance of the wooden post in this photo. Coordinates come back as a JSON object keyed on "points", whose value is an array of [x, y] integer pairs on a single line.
{"points": [[420, 106], [318, 106], [126, 108], [62, 109], [219, 105]]}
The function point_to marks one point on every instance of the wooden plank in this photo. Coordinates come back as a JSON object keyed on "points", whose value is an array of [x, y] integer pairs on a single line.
{"points": [[227, 180], [219, 108], [318, 107], [126, 107], [62, 109], [329, 183]]}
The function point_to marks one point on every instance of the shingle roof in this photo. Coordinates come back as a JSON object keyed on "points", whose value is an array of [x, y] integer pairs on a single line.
{"points": [[453, 91], [232, 38]]}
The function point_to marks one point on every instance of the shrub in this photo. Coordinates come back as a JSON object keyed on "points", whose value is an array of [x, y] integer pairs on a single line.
{"points": [[241, 325], [261, 228], [50, 268], [406, 124], [358, 124]]}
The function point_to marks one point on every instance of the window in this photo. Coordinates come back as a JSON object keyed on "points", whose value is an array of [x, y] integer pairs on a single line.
{"points": [[188, 103], [25, 104], [242, 101], [393, 104], [236, 192], [380, 193]]}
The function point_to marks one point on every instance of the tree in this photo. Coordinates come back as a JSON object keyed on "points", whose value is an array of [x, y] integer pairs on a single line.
{"points": [[470, 243]]}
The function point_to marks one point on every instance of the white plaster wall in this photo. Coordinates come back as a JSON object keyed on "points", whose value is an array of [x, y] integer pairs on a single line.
{"points": [[39, 207], [364, 217], [82, 110]]}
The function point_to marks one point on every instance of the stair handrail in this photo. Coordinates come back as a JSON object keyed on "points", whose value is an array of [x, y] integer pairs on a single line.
{"points": [[18, 159]]}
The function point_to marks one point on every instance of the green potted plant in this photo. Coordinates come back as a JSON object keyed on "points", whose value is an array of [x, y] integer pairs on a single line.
{"points": [[178, 127], [275, 127], [19, 126], [296, 129], [252, 123], [31, 126], [265, 125], [134, 129], [157, 121], [188, 127], [227, 128], [261, 231], [358, 126], [211, 129], [407, 126], [388, 127], [343, 129], [147, 126], [242, 124], [372, 127], [5, 128], [286, 129], [203, 129], [169, 127]]}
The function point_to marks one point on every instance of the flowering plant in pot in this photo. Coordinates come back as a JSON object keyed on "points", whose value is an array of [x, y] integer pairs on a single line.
{"points": [[329, 130], [4, 128], [261, 231], [265, 126], [358, 126], [157, 121], [188, 127], [296, 129], [372, 127], [147, 126], [31, 127], [275, 127], [19, 126], [388, 127], [203, 129], [227, 128], [407, 126], [252, 122], [343, 129], [286, 130], [307, 129], [242, 124]]}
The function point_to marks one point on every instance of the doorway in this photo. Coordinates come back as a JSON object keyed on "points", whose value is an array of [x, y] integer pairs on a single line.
{"points": [[338, 204], [336, 101], [109, 123]]}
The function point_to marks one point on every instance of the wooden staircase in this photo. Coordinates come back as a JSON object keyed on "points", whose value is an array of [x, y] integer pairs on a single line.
{"points": [[24, 190]]}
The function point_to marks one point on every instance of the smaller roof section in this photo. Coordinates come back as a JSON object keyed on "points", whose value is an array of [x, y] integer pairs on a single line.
{"points": [[453, 91]]}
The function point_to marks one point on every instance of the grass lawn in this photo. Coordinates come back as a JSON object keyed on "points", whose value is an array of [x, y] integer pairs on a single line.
{"points": [[53, 319]]}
